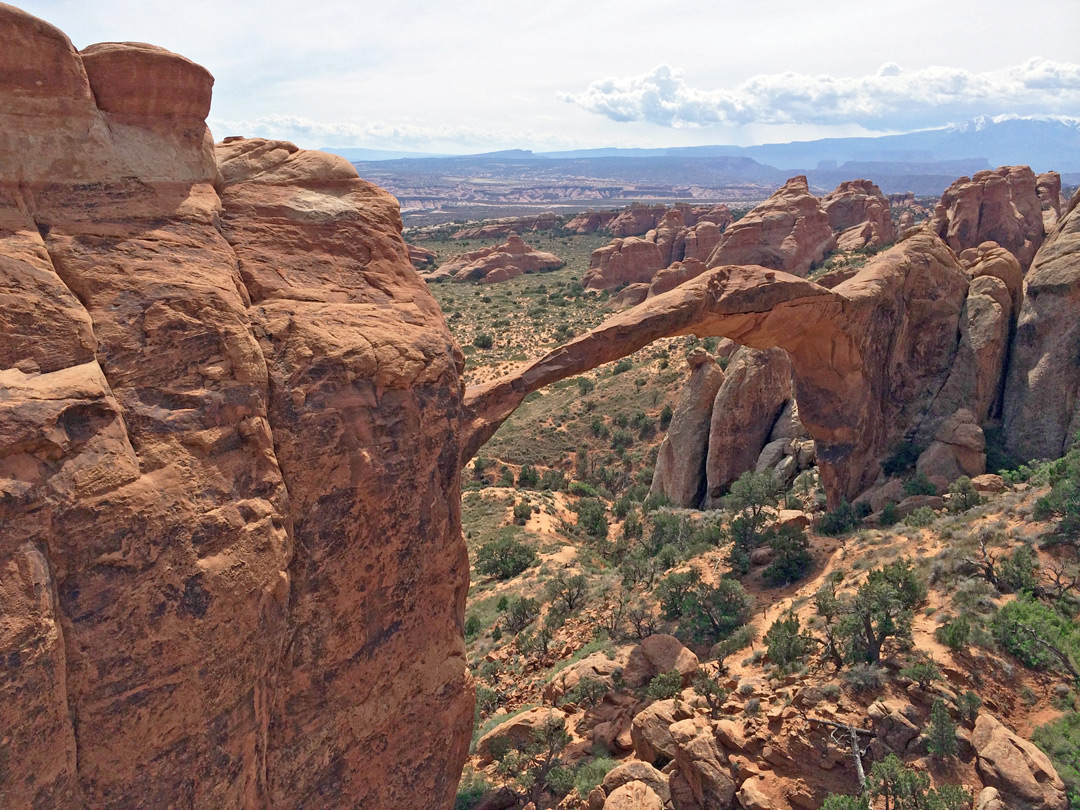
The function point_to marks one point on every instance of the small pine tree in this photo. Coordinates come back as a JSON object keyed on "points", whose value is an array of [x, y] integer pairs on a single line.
{"points": [[941, 734]]}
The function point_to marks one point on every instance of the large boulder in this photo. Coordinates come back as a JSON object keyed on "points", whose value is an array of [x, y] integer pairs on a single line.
{"points": [[959, 448], [789, 232], [1023, 775], [859, 215], [634, 771], [513, 258], [756, 388], [598, 667], [1000, 206], [515, 733], [657, 654], [680, 463], [633, 796], [703, 765], [649, 732], [1040, 412], [1048, 186], [636, 220]]}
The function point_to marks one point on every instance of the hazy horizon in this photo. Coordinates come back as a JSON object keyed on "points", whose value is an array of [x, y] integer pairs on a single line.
{"points": [[420, 76]]}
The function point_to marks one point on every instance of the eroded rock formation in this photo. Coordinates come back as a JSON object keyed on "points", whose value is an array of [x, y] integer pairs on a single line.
{"points": [[1041, 395], [1000, 206], [680, 464], [215, 373], [488, 265], [789, 232], [859, 215], [679, 242]]}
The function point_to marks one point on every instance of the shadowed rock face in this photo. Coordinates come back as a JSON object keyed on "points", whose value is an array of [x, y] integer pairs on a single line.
{"points": [[1042, 403], [868, 356], [231, 565]]}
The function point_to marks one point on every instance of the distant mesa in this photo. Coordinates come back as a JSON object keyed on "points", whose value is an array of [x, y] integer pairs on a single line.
{"points": [[513, 258]]}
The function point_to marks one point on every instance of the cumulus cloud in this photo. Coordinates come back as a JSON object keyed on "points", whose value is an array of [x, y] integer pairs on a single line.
{"points": [[891, 98]]}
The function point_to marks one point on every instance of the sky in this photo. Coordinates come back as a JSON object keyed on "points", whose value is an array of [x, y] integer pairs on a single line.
{"points": [[465, 77]]}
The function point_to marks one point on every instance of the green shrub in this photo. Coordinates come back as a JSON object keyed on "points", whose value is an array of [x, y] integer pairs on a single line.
{"points": [[553, 480], [586, 692], [483, 341], [1017, 571], [665, 416], [920, 518], [471, 790], [1063, 502], [954, 634], [919, 484], [567, 590], [924, 671], [967, 706], [963, 495], [591, 773], [522, 512], [581, 489], [713, 613], [708, 685], [1038, 636], [528, 478], [889, 516], [504, 557], [622, 366], [941, 732], [839, 521], [791, 556], [901, 459], [865, 678], [520, 612], [674, 589], [592, 516], [664, 686], [472, 626], [1060, 740], [787, 643], [585, 385]]}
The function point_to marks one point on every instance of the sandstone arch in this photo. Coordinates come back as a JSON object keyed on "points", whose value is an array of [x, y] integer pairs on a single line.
{"points": [[869, 356]]}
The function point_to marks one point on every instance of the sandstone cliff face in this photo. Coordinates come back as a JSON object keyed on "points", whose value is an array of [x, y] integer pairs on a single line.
{"points": [[1000, 206], [513, 258], [1041, 394], [624, 261], [215, 375], [859, 215], [789, 232], [680, 465]]}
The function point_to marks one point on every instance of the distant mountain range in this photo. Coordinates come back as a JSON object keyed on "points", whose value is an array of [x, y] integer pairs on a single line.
{"points": [[1042, 143], [923, 162]]}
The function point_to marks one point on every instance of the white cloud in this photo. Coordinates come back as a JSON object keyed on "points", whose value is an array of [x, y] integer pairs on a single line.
{"points": [[889, 99], [381, 135]]}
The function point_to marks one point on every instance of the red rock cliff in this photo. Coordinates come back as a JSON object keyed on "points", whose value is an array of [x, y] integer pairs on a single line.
{"points": [[231, 565]]}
